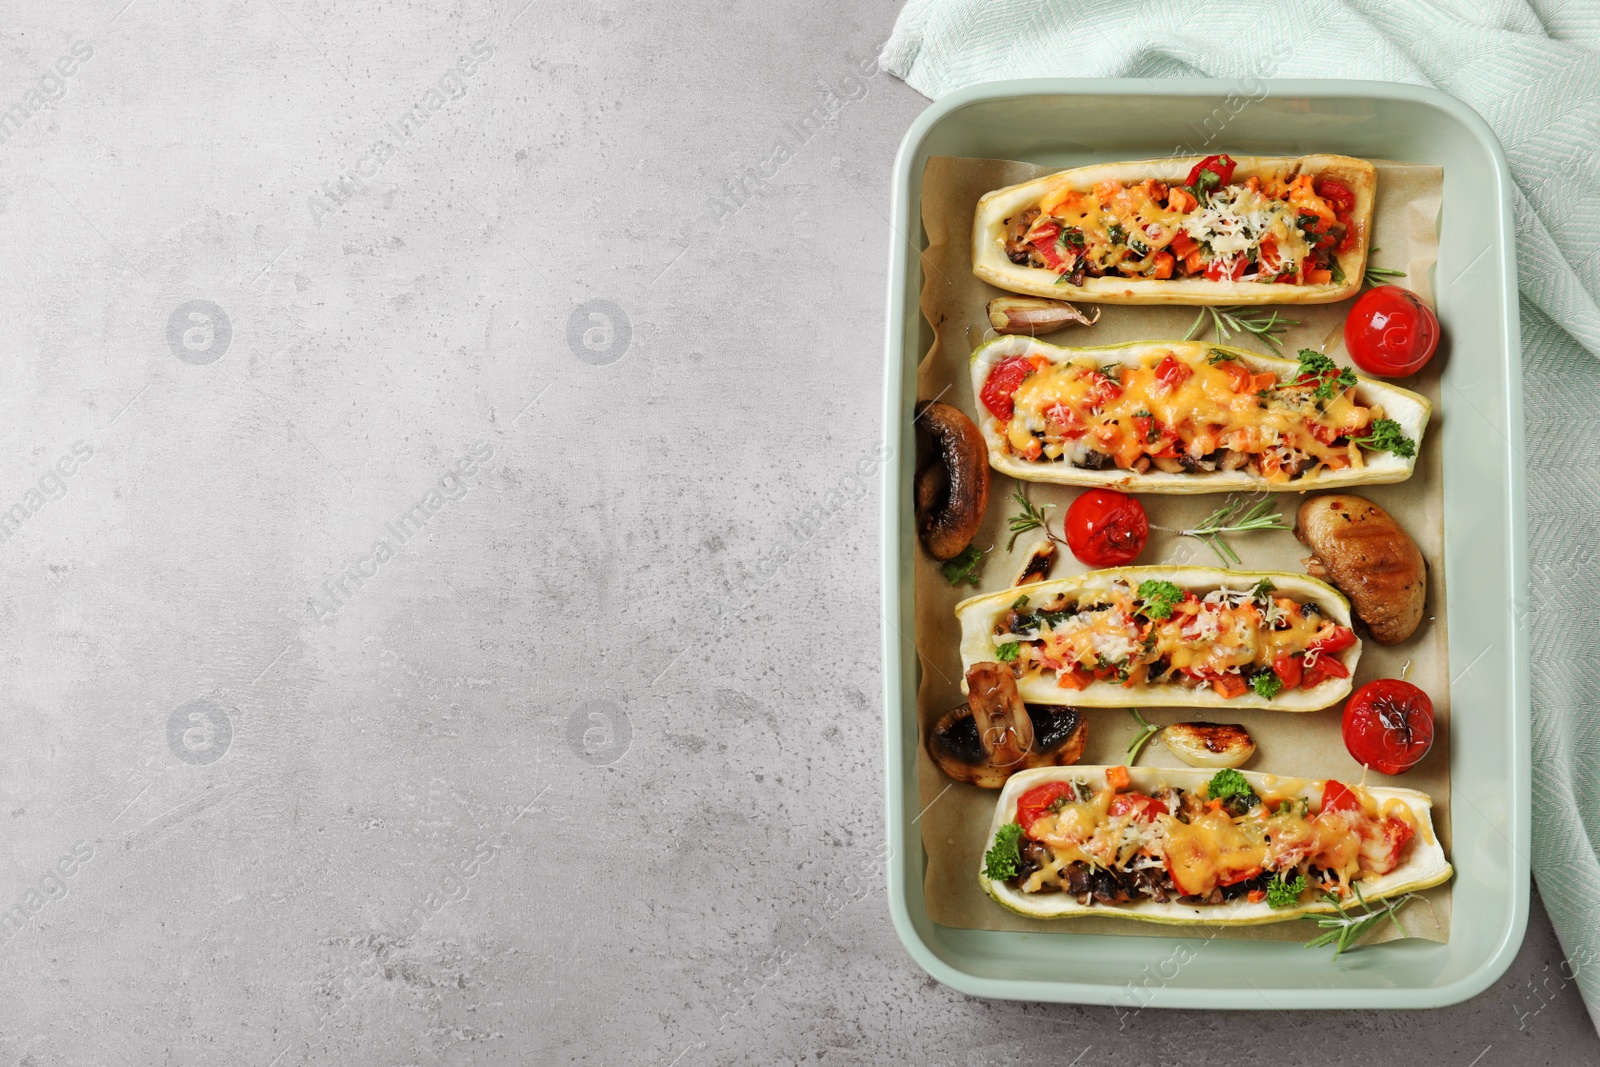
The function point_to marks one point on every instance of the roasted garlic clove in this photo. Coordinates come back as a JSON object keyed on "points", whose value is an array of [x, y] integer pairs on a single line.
{"points": [[1209, 744], [1036, 568], [1035, 316]]}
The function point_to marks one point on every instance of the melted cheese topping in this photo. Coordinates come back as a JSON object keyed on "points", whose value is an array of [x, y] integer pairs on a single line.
{"points": [[1226, 632], [1203, 847], [1122, 227], [1195, 408]]}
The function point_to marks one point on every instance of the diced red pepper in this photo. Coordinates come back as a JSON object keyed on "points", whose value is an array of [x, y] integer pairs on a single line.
{"points": [[1001, 386], [1339, 639], [1321, 670]]}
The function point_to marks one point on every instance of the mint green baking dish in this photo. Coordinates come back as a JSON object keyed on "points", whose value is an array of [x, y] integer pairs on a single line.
{"points": [[1072, 122]]}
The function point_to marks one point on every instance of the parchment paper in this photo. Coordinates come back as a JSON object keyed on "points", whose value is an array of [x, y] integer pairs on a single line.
{"points": [[956, 819]]}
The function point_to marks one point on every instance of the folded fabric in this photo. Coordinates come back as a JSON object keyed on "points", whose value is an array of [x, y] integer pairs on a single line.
{"points": [[1531, 70]]}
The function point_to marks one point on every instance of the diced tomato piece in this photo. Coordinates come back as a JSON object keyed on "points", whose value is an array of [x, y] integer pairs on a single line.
{"points": [[1162, 265], [1288, 669], [1222, 166], [1269, 260], [1102, 389], [1138, 805], [1321, 670], [1238, 374], [1219, 270], [1064, 419], [1397, 834], [1351, 233], [1183, 244], [1338, 639], [1335, 193], [1325, 434], [1117, 778], [1263, 381], [1172, 374], [1035, 803], [1001, 386], [1336, 796], [1144, 428], [1229, 685]]}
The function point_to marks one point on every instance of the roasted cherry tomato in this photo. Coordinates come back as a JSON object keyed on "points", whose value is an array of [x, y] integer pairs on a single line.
{"points": [[1336, 796], [1106, 528], [1035, 803], [1388, 725], [1001, 386], [1390, 332]]}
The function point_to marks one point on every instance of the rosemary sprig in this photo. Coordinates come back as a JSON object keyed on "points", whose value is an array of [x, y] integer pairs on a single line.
{"points": [[1342, 931], [1149, 731], [1227, 520], [1376, 276], [1031, 517], [1226, 322]]}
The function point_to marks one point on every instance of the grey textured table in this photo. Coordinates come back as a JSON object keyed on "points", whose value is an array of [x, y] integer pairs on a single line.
{"points": [[439, 623]]}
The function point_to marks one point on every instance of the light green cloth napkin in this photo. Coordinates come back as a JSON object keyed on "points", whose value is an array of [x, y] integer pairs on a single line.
{"points": [[1532, 70]]}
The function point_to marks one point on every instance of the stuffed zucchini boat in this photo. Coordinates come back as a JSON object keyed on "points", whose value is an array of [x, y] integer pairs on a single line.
{"points": [[1189, 417], [1211, 230], [1224, 848], [1179, 637]]}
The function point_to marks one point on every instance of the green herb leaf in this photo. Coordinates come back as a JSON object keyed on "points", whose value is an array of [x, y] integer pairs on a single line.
{"points": [[1267, 683], [1260, 590], [1331, 378], [1005, 855], [963, 570], [1019, 603], [1385, 436], [1281, 894], [1231, 787], [1006, 653], [1219, 356], [1159, 599]]}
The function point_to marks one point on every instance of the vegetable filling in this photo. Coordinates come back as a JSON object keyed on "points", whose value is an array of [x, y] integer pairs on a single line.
{"points": [[1188, 410], [1237, 641], [1273, 229], [1220, 843]]}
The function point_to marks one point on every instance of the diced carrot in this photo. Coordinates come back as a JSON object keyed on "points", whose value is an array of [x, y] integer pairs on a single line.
{"points": [[1194, 262], [1259, 382], [1077, 678], [1104, 191], [1038, 362], [1256, 896], [1181, 200], [1163, 265], [1117, 778], [1229, 685], [1253, 184], [1319, 277]]}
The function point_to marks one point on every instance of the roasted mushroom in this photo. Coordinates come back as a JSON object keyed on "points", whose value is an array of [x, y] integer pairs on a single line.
{"points": [[952, 492], [1209, 744], [1034, 316], [994, 735], [1364, 552]]}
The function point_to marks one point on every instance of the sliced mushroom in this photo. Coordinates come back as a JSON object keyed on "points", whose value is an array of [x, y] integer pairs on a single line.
{"points": [[950, 503], [1361, 549], [994, 735], [1209, 744], [1036, 568], [1034, 316]]}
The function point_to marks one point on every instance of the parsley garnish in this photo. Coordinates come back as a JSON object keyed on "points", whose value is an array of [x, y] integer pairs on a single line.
{"points": [[1159, 599], [1385, 436], [964, 568], [1020, 603], [1072, 237], [1259, 590], [1232, 788], [1332, 379], [1004, 856], [1219, 356], [1007, 653], [1116, 233], [1281, 894], [1267, 683]]}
